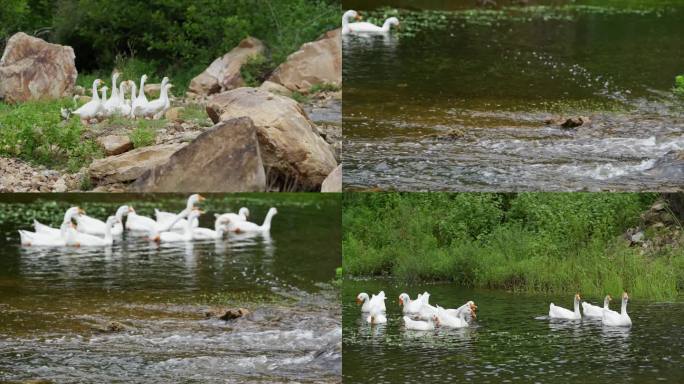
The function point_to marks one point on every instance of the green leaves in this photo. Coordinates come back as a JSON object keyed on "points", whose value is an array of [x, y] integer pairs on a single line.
{"points": [[679, 85], [35, 132]]}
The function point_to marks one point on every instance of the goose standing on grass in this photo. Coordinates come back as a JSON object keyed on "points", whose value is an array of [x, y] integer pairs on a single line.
{"points": [[418, 325], [124, 107], [594, 311], [556, 312], [410, 306], [172, 237], [93, 108], [103, 111], [366, 27], [132, 100], [140, 102], [111, 106], [350, 14], [613, 319], [96, 241], [155, 108], [249, 227], [93, 226]]}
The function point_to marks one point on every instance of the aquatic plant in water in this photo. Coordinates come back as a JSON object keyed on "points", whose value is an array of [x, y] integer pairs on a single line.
{"points": [[679, 85]]}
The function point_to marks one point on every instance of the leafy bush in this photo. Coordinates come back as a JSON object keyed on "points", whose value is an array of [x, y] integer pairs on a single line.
{"points": [[679, 85], [256, 70], [143, 135], [35, 132], [541, 242]]}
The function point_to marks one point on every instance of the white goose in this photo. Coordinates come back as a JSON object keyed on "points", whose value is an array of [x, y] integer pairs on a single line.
{"points": [[426, 310], [345, 20], [96, 241], [369, 304], [93, 108], [231, 218], [172, 220], [613, 319], [124, 108], [450, 320], [65, 235], [155, 108], [111, 106], [468, 310], [200, 233], [376, 317], [410, 306], [594, 311], [93, 226], [556, 312], [129, 103], [141, 101], [172, 237], [417, 325], [366, 27], [247, 226]]}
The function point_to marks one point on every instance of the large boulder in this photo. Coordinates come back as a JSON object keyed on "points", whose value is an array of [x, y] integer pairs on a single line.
{"points": [[333, 183], [295, 157], [316, 62], [224, 158], [224, 73], [131, 165], [32, 69], [115, 144]]}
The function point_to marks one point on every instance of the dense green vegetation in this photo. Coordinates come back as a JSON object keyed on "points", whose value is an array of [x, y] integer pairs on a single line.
{"points": [[177, 38], [538, 242], [679, 85], [34, 131]]}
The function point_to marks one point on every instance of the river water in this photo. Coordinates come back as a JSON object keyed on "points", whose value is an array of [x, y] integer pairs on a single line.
{"points": [[511, 341], [54, 303], [494, 76]]}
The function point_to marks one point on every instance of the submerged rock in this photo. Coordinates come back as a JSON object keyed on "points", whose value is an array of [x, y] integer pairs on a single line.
{"points": [[570, 122], [32, 69], [233, 313], [109, 327], [225, 158]]}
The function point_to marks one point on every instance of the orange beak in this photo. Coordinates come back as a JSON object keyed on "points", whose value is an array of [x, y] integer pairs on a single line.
{"points": [[201, 198], [358, 17], [358, 301], [401, 301]]}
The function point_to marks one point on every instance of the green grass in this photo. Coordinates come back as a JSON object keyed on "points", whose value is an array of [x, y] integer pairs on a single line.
{"points": [[256, 69], [538, 242], [143, 135], [34, 131], [324, 87]]}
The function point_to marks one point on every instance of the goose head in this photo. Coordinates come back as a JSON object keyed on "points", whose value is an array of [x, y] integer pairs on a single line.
{"points": [[363, 296], [164, 81], [244, 212], [143, 78], [404, 299], [392, 21], [351, 14], [111, 220], [194, 199], [577, 298], [272, 211], [625, 297]]}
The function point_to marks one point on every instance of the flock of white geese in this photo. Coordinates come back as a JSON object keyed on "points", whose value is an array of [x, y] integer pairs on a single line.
{"points": [[363, 27], [168, 227], [419, 315], [137, 106]]}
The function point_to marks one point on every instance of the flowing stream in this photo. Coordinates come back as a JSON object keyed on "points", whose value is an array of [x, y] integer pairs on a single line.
{"points": [[464, 106], [512, 341], [57, 306]]}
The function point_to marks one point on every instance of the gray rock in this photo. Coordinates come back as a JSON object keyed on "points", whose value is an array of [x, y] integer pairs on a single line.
{"points": [[225, 158], [32, 69], [131, 165], [333, 183], [115, 144]]}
